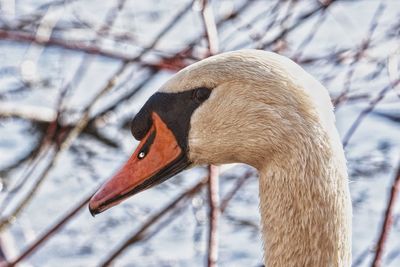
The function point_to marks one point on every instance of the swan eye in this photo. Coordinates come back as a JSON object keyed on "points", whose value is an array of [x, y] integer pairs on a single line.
{"points": [[201, 94]]}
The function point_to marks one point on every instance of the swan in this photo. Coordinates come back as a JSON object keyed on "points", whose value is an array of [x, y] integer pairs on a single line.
{"points": [[262, 109]]}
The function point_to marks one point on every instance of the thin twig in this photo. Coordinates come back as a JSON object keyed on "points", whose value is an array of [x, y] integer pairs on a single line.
{"points": [[68, 139], [143, 233], [367, 110], [239, 183], [377, 262], [358, 55], [214, 212], [49, 233], [140, 234], [302, 19], [210, 27], [20, 36]]}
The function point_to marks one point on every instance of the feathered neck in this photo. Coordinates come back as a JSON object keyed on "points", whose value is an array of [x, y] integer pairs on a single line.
{"points": [[305, 204]]}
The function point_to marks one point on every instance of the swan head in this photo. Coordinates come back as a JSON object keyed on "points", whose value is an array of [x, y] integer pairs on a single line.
{"points": [[246, 106]]}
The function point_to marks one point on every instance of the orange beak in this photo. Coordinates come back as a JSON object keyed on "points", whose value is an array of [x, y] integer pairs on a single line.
{"points": [[157, 158]]}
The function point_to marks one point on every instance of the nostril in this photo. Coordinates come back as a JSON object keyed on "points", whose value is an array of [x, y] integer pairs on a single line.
{"points": [[141, 155]]}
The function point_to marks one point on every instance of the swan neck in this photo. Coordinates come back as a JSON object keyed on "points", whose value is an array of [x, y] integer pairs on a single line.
{"points": [[305, 207]]}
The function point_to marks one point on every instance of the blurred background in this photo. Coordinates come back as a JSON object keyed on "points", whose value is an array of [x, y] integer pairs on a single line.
{"points": [[74, 72]]}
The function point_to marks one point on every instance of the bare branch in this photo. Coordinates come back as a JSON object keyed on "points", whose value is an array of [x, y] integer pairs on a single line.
{"points": [[48, 234], [359, 55], [210, 27], [377, 262], [214, 211], [140, 234], [240, 182], [367, 110]]}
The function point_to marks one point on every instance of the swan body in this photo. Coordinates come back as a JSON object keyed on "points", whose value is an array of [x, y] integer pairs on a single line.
{"points": [[264, 110]]}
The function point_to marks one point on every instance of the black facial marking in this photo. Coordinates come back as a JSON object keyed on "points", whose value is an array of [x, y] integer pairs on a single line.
{"points": [[141, 124], [175, 109]]}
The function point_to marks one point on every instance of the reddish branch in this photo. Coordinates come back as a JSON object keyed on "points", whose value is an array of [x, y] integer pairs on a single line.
{"points": [[142, 232], [210, 29], [85, 47], [377, 262], [214, 212], [176, 62], [66, 138], [33, 247], [26, 37]]}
